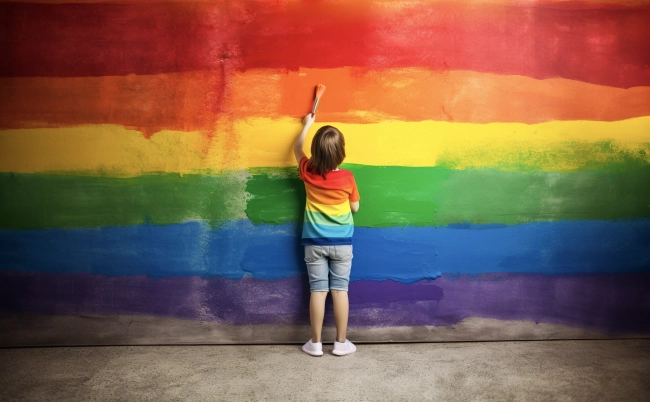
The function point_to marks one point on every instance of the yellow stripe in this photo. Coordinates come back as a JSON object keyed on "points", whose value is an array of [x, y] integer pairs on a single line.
{"points": [[331, 210], [104, 149], [260, 142], [470, 145]]}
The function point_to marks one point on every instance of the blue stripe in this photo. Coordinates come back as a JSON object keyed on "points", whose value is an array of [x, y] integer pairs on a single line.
{"points": [[326, 241], [315, 230], [408, 254]]}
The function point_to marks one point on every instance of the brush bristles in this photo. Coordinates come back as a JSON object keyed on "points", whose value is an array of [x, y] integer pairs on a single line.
{"points": [[320, 89]]}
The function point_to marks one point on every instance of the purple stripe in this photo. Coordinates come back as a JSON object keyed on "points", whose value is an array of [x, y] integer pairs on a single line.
{"points": [[610, 303]]}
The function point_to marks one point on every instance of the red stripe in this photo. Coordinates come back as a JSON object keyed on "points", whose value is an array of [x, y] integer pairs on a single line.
{"points": [[72, 40], [604, 44]]}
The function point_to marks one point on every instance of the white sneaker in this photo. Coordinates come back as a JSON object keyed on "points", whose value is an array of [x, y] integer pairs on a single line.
{"points": [[344, 348], [314, 349]]}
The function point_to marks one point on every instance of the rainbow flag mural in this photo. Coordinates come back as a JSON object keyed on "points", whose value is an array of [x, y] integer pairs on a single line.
{"points": [[148, 191]]}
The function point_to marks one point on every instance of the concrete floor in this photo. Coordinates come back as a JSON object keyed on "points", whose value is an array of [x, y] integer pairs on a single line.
{"points": [[605, 370]]}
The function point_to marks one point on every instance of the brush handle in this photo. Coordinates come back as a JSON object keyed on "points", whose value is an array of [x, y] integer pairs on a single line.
{"points": [[313, 110]]}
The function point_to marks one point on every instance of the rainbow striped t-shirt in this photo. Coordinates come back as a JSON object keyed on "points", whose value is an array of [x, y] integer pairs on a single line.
{"points": [[328, 218]]}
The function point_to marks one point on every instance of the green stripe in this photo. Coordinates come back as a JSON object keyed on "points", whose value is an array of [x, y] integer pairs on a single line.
{"points": [[411, 196], [390, 196], [34, 201], [324, 219]]}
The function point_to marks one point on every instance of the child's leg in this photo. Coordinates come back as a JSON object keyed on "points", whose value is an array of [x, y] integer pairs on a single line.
{"points": [[316, 314], [318, 271], [340, 266], [341, 311]]}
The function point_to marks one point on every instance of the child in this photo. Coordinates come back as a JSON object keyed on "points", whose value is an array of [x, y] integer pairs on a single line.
{"points": [[332, 196]]}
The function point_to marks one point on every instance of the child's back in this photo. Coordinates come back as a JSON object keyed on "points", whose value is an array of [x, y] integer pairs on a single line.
{"points": [[328, 215], [328, 227]]}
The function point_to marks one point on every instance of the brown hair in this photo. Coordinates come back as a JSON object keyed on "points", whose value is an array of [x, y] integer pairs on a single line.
{"points": [[327, 150]]}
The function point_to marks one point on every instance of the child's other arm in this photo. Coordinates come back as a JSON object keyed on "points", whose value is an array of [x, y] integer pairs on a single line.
{"points": [[354, 206], [297, 148]]}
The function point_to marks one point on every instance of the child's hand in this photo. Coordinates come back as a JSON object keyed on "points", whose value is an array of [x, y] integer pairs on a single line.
{"points": [[309, 120]]}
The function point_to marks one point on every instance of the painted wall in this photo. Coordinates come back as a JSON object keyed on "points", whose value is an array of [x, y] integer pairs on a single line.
{"points": [[148, 192]]}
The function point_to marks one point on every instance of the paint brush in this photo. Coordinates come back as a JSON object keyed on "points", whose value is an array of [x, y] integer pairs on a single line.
{"points": [[320, 89]]}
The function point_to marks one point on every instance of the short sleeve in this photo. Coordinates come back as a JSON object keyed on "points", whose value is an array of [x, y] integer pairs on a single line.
{"points": [[354, 195], [302, 167]]}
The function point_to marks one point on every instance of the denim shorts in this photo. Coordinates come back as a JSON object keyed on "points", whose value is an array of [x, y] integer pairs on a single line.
{"points": [[328, 267]]}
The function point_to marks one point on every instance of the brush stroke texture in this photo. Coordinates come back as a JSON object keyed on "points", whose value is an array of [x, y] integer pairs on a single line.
{"points": [[185, 101], [611, 304], [50, 201], [391, 196], [401, 196], [364, 95], [242, 144], [240, 249], [69, 40], [147, 103], [117, 39], [526, 40]]}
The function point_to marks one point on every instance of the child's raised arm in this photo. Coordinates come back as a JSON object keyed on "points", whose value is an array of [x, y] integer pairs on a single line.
{"points": [[297, 148]]}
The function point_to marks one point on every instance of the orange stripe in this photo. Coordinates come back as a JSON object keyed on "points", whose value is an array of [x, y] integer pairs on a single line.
{"points": [[358, 95], [195, 101], [148, 103], [327, 197]]}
